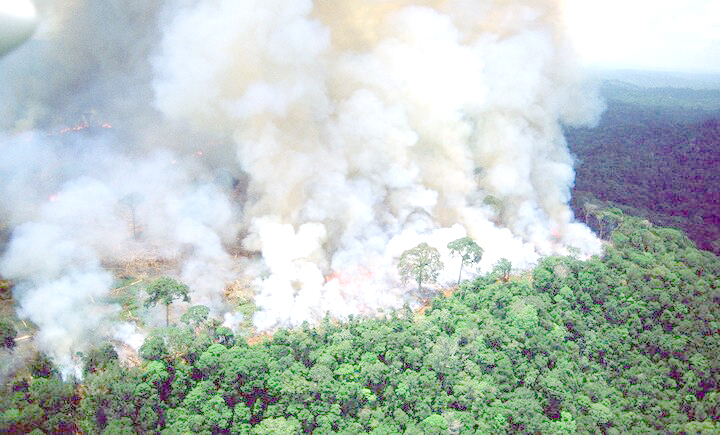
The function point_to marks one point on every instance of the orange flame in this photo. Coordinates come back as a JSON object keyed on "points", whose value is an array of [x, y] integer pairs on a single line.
{"points": [[353, 277], [82, 125], [88, 120]]}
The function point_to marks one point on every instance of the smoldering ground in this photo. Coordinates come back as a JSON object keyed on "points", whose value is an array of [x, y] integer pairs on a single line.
{"points": [[361, 129]]}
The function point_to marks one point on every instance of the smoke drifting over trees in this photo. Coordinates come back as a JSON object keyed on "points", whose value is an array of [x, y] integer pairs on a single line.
{"points": [[362, 129]]}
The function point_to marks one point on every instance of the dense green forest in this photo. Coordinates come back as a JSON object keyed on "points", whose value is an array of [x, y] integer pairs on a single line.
{"points": [[622, 343], [654, 154], [626, 342]]}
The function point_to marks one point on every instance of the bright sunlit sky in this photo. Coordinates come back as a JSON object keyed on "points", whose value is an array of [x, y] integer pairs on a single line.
{"points": [[677, 35]]}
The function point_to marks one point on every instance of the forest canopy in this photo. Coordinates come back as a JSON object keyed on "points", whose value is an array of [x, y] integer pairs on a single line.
{"points": [[654, 154], [623, 343]]}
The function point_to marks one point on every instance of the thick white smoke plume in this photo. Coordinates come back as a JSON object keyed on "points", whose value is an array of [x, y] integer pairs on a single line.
{"points": [[366, 127], [327, 136]]}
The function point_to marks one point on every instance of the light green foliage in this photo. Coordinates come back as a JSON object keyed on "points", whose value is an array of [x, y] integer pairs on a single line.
{"points": [[707, 427], [502, 269], [421, 263], [199, 396], [195, 315], [624, 343], [565, 426], [121, 426], [180, 421], [126, 294], [180, 341], [277, 426], [524, 319], [499, 423], [434, 425], [153, 348], [165, 290], [216, 411], [157, 375], [10, 418], [467, 250]]}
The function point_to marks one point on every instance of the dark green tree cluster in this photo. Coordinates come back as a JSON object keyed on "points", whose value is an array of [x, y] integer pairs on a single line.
{"points": [[40, 402], [625, 343], [654, 154], [7, 333]]}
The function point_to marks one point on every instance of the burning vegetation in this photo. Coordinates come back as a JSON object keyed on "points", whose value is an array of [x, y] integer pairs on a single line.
{"points": [[281, 162]]}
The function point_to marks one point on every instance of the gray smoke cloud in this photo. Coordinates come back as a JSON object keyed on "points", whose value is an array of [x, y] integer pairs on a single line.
{"points": [[366, 127], [326, 137]]}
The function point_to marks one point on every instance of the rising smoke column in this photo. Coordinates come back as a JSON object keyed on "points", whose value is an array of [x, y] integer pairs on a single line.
{"points": [[74, 227], [362, 128], [366, 127], [64, 192]]}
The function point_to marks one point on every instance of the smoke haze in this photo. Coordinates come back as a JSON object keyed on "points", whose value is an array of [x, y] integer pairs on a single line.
{"points": [[323, 138]]}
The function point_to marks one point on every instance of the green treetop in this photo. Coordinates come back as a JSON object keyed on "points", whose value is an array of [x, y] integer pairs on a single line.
{"points": [[469, 252], [502, 269], [196, 315], [166, 290], [421, 263]]}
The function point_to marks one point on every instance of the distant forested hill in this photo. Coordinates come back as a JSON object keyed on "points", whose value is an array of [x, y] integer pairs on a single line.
{"points": [[655, 153]]}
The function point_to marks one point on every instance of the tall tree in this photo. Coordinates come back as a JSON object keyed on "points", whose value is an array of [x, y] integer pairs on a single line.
{"points": [[166, 290], [132, 200], [502, 269], [421, 263], [469, 252]]}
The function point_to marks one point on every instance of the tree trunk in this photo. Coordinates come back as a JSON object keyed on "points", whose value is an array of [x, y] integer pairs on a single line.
{"points": [[460, 274], [167, 314], [135, 235]]}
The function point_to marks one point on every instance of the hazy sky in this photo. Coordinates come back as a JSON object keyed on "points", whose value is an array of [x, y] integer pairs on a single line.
{"points": [[674, 35], [650, 34]]}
